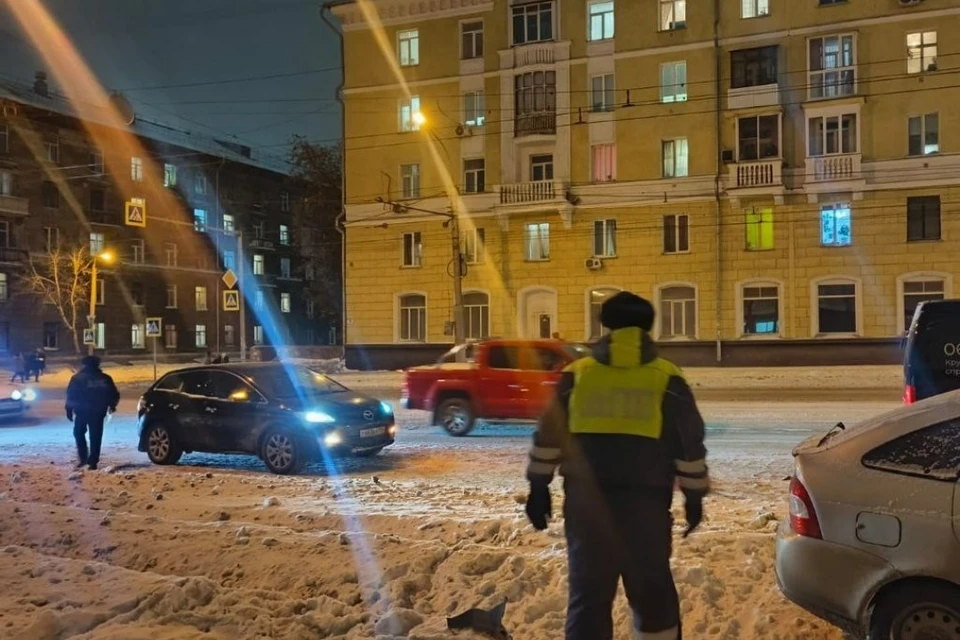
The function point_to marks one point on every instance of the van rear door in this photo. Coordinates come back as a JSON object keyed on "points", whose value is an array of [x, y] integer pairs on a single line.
{"points": [[932, 355]]}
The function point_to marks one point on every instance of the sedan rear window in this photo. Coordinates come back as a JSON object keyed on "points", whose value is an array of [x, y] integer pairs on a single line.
{"points": [[932, 452]]}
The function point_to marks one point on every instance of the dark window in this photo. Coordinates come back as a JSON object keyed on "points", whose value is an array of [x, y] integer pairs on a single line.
{"points": [[51, 335], [503, 358], [532, 22], [923, 218], [753, 67], [761, 310], [97, 200], [227, 386], [51, 196], [136, 294], [917, 291], [172, 382], [549, 359], [837, 308], [676, 233], [758, 138], [932, 452], [198, 383]]}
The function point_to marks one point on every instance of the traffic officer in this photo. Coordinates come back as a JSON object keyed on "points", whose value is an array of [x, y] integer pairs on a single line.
{"points": [[90, 395], [623, 428]]}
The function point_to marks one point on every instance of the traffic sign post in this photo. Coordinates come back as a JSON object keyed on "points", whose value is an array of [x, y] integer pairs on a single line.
{"points": [[154, 331], [88, 337], [231, 300], [135, 213]]}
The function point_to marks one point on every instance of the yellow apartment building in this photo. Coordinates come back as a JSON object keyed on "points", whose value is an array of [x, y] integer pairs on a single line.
{"points": [[781, 177]]}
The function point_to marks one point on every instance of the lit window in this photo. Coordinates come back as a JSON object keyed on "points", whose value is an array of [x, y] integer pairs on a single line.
{"points": [[229, 259], [258, 334], [833, 135], [170, 336], [97, 243], [600, 16], [837, 308], [285, 267], [474, 176], [258, 264], [605, 238], [408, 46], [917, 291], [410, 180], [538, 241], [476, 315], [676, 233], [833, 70], [4, 287], [604, 157], [602, 93], [137, 336], [6, 183], [541, 167], [673, 82], [597, 298], [171, 296], [199, 220], [170, 252], [532, 22], [675, 158], [471, 40], [835, 223], [761, 309], [923, 218], [228, 224], [673, 14], [410, 114], [754, 8], [759, 223], [169, 175], [923, 134], [258, 300], [473, 245], [474, 109], [921, 51], [678, 312], [413, 318], [200, 298], [412, 249], [758, 138], [284, 303], [136, 169], [200, 332], [284, 234]]}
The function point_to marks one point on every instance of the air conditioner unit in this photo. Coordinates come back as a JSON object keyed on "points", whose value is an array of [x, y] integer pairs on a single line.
{"points": [[594, 263], [727, 155]]}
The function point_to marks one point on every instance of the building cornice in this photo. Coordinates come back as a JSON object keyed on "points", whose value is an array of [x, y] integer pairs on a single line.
{"points": [[390, 12]]}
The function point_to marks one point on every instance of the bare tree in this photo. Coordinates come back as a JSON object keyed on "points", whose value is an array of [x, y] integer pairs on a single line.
{"points": [[61, 278]]}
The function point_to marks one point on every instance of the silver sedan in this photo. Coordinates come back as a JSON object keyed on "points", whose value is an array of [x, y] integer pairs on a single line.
{"points": [[873, 539]]}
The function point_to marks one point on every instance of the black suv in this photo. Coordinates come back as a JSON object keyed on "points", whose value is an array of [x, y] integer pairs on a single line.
{"points": [[931, 359], [286, 414]]}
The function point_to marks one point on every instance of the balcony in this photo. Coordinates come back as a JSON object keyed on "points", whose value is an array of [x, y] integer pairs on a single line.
{"points": [[540, 191], [260, 243], [14, 205], [757, 174], [542, 53], [544, 124], [764, 95], [833, 168], [9, 255]]}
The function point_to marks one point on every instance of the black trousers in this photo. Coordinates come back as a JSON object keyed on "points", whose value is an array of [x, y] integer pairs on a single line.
{"points": [[94, 423], [612, 535]]}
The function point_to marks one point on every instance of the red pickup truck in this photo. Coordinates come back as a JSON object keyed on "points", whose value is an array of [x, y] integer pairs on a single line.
{"points": [[492, 380]]}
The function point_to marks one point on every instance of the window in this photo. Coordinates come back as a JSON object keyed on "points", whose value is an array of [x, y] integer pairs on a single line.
{"points": [[673, 14], [101, 292], [51, 237], [258, 264], [471, 40], [284, 234], [200, 333], [923, 137], [309, 308], [199, 220], [597, 298], [228, 224], [604, 162], [541, 167], [917, 291], [835, 228], [605, 238], [923, 218], [600, 17], [51, 195], [678, 312], [673, 82], [754, 8], [410, 180], [53, 149], [6, 183], [4, 287], [97, 200], [170, 253], [4, 138], [309, 271], [761, 309], [837, 308], [676, 233], [51, 335], [833, 135], [284, 303], [832, 72], [97, 243], [258, 230], [5, 240], [675, 158], [474, 109], [258, 334], [285, 267], [758, 138], [229, 335], [412, 250], [532, 22], [932, 452], [472, 246], [538, 241], [171, 296], [476, 315], [200, 298], [408, 47], [258, 300], [921, 51], [229, 259], [413, 318], [200, 184], [759, 223], [753, 67], [96, 162], [170, 336], [284, 201], [136, 294], [535, 103], [602, 93], [100, 335], [136, 169], [410, 114], [137, 338], [474, 176], [169, 175]]}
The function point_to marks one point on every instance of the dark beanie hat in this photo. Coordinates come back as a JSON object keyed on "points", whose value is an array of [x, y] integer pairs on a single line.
{"points": [[90, 362], [627, 309]]}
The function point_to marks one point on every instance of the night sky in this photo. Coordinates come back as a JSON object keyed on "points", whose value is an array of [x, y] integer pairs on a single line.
{"points": [[143, 48]]}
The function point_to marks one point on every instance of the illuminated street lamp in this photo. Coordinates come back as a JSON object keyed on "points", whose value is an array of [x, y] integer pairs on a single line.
{"points": [[107, 258], [419, 119]]}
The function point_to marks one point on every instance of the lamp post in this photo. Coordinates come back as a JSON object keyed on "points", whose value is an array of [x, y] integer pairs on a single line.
{"points": [[107, 257]]}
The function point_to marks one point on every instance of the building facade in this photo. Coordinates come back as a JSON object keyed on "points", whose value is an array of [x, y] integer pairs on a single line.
{"points": [[780, 177], [171, 212]]}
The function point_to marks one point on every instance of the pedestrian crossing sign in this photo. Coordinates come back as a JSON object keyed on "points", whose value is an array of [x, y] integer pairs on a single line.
{"points": [[231, 300], [153, 327], [136, 213], [88, 337]]}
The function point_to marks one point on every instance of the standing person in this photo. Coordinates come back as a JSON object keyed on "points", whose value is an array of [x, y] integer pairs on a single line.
{"points": [[90, 395], [623, 428], [31, 367], [19, 368], [41, 363]]}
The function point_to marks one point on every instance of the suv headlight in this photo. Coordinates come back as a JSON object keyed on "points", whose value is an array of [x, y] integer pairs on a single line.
{"points": [[387, 408], [15, 394], [318, 417], [29, 395]]}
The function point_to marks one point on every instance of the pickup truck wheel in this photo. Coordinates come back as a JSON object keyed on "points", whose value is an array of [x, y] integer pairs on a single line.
{"points": [[456, 416]]}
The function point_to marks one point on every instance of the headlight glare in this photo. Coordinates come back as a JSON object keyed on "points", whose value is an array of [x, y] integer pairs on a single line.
{"points": [[387, 408], [332, 439], [15, 394], [318, 417], [29, 395]]}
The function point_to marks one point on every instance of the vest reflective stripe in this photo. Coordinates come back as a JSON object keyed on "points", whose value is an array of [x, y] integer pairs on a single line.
{"points": [[615, 400]]}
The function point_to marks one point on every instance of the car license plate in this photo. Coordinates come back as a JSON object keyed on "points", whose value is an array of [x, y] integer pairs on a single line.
{"points": [[370, 433]]}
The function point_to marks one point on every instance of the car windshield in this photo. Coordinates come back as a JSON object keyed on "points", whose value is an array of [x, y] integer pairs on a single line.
{"points": [[294, 381]]}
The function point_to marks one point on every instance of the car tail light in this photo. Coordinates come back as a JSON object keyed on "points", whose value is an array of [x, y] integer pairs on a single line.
{"points": [[909, 394], [803, 517]]}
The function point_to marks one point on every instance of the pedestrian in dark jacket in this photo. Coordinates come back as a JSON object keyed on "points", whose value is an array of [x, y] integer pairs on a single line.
{"points": [[41, 363], [31, 367], [623, 428], [90, 395], [19, 368]]}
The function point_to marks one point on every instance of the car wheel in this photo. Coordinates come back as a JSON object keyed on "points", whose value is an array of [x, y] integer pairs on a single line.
{"points": [[921, 612], [456, 416], [367, 453], [162, 447], [282, 452]]}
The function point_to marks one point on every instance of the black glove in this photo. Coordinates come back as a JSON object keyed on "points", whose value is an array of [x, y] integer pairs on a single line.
{"points": [[693, 508], [70, 415], [539, 505]]}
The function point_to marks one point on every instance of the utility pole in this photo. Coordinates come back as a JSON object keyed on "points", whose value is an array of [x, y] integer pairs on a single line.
{"points": [[458, 318], [92, 318], [243, 304]]}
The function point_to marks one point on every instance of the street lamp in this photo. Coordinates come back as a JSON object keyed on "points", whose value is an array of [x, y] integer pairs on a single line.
{"points": [[107, 258], [419, 119]]}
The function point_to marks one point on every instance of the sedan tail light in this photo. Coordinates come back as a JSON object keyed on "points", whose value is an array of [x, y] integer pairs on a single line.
{"points": [[803, 517], [909, 394]]}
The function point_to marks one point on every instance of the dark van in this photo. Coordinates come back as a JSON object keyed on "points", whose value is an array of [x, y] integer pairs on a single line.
{"points": [[931, 358]]}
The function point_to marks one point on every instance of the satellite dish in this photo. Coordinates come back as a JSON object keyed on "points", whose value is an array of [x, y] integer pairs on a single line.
{"points": [[123, 107]]}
